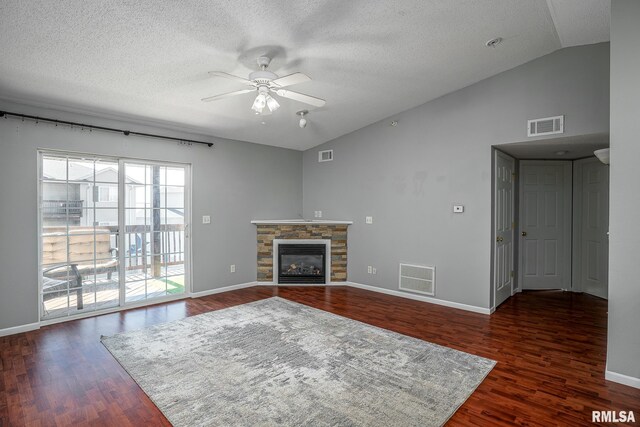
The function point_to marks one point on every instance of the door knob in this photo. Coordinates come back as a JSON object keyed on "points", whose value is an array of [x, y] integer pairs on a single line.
{"points": [[524, 233]]}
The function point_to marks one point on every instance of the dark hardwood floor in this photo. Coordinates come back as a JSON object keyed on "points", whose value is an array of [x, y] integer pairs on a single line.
{"points": [[550, 348]]}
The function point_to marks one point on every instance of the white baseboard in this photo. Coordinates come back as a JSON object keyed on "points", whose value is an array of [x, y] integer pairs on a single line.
{"points": [[19, 329], [224, 289], [422, 298], [622, 379]]}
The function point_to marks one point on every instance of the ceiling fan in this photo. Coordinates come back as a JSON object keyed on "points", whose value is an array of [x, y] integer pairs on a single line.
{"points": [[265, 83]]}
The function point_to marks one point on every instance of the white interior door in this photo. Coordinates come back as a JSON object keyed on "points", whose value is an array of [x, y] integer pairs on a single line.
{"points": [[504, 225], [545, 224], [591, 257]]}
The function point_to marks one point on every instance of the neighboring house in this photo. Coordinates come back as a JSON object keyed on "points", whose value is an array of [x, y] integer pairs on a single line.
{"points": [[85, 192]]}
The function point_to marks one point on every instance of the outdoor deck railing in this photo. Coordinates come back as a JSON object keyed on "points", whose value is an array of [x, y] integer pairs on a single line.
{"points": [[140, 248], [60, 208]]}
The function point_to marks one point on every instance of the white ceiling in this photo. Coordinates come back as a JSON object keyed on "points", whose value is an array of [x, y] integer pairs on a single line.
{"points": [[370, 60]]}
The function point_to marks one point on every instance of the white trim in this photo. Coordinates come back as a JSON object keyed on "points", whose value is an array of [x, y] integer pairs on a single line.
{"points": [[224, 289], [19, 329], [299, 222], [622, 379], [39, 229], [431, 300], [327, 255]]}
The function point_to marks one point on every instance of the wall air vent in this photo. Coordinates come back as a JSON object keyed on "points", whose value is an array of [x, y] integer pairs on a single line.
{"points": [[546, 126], [325, 156], [417, 278]]}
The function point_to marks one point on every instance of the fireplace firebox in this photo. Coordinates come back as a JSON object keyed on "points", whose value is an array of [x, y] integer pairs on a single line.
{"points": [[301, 263]]}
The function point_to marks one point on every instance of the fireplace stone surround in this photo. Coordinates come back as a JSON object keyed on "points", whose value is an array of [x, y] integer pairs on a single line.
{"points": [[334, 232]]}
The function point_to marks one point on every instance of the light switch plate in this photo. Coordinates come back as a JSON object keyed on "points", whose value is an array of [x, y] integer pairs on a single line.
{"points": [[458, 208], [206, 219], [368, 220], [232, 268]]}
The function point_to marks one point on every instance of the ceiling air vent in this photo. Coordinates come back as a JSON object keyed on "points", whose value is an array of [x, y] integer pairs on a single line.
{"points": [[325, 156], [418, 278], [546, 126]]}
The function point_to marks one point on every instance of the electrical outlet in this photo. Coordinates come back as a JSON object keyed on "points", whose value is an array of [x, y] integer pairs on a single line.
{"points": [[317, 214], [458, 208], [206, 219], [369, 269], [373, 270], [233, 268], [368, 220]]}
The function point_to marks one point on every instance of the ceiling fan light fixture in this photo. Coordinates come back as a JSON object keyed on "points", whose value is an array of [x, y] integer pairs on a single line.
{"points": [[272, 103], [603, 155], [303, 121], [259, 103], [265, 81]]}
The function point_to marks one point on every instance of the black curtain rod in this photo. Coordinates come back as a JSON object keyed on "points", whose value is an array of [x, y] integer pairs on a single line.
{"points": [[122, 131]]}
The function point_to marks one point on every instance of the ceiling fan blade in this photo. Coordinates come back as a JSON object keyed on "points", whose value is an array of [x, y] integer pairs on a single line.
{"points": [[227, 95], [296, 96], [291, 79], [231, 77]]}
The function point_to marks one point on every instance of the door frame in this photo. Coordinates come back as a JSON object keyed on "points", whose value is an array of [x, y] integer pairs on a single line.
{"points": [[122, 305], [494, 217], [568, 218]]}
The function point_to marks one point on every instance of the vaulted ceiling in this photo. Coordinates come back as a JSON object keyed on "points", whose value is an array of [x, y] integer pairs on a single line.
{"points": [[148, 61]]}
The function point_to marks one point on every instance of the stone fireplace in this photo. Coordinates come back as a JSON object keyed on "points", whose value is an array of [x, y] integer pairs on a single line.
{"points": [[302, 261]]}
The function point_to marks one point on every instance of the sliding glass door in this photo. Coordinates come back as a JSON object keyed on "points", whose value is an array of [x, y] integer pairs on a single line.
{"points": [[112, 232], [154, 217]]}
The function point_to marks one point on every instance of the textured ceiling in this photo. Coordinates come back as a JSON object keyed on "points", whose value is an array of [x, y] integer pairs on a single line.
{"points": [[580, 22], [148, 61]]}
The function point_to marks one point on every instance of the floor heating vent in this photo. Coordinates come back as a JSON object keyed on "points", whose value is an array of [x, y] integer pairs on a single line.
{"points": [[417, 278]]}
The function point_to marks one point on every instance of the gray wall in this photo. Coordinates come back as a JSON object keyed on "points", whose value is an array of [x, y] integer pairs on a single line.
{"points": [[408, 177], [234, 182], [624, 241]]}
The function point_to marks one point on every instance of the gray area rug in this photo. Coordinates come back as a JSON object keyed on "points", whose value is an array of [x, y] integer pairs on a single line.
{"points": [[275, 362]]}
